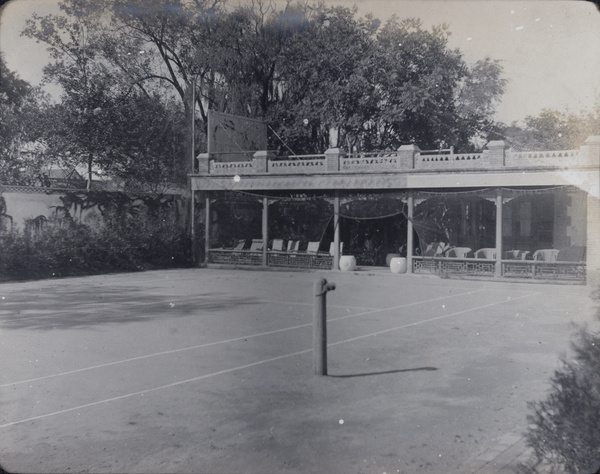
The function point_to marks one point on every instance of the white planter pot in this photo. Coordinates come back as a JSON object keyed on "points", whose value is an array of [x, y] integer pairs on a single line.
{"points": [[347, 263], [398, 265]]}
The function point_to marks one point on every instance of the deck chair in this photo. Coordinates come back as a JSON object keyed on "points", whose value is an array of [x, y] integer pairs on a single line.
{"points": [[240, 245], [257, 244], [293, 246], [546, 255], [313, 247], [458, 252], [434, 249], [277, 245], [488, 253], [516, 254]]}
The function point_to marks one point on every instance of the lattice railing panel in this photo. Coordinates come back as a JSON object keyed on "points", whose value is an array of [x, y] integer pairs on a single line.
{"points": [[235, 257], [232, 167], [462, 160], [370, 161], [313, 165], [545, 270], [560, 158]]}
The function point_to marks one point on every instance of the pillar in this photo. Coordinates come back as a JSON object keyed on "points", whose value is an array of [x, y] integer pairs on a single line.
{"points": [[593, 243], [498, 269], [260, 162], [193, 225], [407, 154], [336, 231], [410, 244], [207, 228], [593, 214], [496, 153], [265, 232], [332, 159], [203, 163]]}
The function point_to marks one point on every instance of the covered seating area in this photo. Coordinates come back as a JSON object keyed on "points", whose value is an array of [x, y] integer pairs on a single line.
{"points": [[502, 214], [309, 231], [565, 264], [508, 232]]}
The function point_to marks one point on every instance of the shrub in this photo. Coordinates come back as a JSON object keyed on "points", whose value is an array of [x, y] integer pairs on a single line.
{"points": [[564, 429], [64, 247]]}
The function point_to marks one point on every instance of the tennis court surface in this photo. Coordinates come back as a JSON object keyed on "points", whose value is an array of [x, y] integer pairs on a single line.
{"points": [[210, 371]]}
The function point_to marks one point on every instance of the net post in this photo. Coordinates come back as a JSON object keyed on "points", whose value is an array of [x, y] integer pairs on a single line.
{"points": [[320, 287]]}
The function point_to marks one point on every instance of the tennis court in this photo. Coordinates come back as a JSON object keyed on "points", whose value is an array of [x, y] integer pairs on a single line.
{"points": [[210, 371]]}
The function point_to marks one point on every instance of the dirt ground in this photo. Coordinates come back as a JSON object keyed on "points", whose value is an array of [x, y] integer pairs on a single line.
{"points": [[211, 371]]}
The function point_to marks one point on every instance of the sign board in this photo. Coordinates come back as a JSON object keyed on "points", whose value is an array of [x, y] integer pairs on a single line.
{"points": [[234, 138]]}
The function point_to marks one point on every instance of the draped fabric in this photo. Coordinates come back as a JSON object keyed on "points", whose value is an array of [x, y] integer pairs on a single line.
{"points": [[374, 223], [304, 221], [234, 216], [456, 220]]}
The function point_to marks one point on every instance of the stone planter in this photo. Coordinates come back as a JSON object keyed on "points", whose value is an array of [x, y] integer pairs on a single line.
{"points": [[398, 265], [347, 263]]}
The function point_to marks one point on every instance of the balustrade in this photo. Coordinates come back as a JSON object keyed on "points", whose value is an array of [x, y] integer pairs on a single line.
{"points": [[407, 158]]}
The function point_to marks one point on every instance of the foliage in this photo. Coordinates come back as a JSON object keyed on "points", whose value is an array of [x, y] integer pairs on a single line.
{"points": [[19, 106], [306, 69], [102, 121], [133, 140], [128, 234], [553, 130], [564, 429]]}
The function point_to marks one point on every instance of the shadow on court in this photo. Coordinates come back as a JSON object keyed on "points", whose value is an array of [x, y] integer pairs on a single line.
{"points": [[384, 372], [63, 307]]}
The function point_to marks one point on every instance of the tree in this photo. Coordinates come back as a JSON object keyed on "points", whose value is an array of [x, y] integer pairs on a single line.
{"points": [[105, 50], [553, 130], [20, 106], [324, 81], [305, 69], [476, 97]]}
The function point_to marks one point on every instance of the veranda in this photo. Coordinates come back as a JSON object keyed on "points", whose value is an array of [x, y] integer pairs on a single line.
{"points": [[498, 213]]}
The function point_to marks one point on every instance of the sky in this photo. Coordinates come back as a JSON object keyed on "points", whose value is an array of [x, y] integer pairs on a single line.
{"points": [[549, 49]]}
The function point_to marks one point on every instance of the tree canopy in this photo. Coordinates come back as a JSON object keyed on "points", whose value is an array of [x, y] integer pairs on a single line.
{"points": [[553, 130], [305, 69]]}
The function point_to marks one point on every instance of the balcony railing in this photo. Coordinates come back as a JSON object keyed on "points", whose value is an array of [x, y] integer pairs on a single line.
{"points": [[406, 158], [532, 269]]}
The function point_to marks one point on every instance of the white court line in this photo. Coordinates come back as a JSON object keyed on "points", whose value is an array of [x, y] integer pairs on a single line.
{"points": [[253, 364], [437, 318], [227, 341]]}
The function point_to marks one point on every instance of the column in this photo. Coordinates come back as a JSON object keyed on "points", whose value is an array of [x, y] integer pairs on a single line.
{"points": [[593, 243], [265, 232], [593, 213], [207, 228], [332, 159], [336, 231], [498, 269], [260, 161], [407, 156], [193, 225], [203, 164], [410, 244]]}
